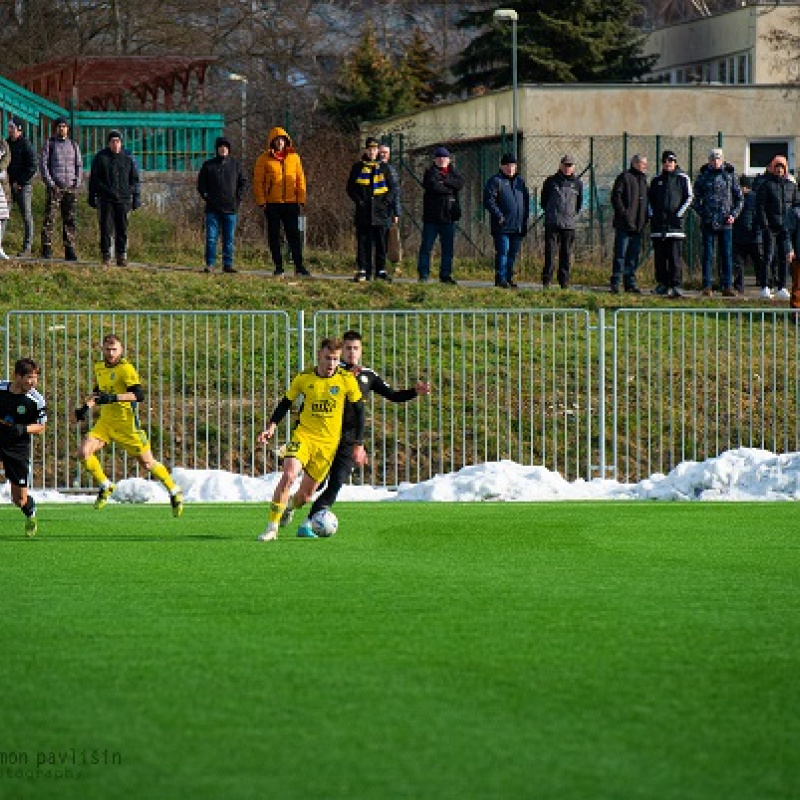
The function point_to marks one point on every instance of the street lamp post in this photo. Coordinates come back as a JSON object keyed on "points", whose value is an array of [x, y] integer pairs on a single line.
{"points": [[235, 76], [506, 15]]}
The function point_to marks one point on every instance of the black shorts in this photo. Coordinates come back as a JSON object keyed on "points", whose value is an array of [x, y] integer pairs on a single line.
{"points": [[17, 467]]}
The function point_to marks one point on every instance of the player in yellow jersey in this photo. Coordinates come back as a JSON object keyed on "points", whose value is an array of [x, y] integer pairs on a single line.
{"points": [[325, 390], [117, 391]]}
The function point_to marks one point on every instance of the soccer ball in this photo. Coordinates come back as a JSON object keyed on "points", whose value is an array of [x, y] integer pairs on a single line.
{"points": [[324, 523]]}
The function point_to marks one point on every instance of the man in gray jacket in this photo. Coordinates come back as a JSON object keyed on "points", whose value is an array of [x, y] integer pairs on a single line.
{"points": [[61, 168], [562, 200]]}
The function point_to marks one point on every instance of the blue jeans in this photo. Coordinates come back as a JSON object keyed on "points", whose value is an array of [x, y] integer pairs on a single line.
{"points": [[447, 235], [627, 247], [506, 247], [724, 238], [227, 224]]}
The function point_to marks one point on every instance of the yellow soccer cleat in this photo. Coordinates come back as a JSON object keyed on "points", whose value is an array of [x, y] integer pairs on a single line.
{"points": [[103, 495], [31, 526], [177, 504]]}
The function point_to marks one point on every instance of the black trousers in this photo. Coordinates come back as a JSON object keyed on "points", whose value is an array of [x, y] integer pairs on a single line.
{"points": [[669, 265], [341, 470], [113, 222], [369, 239], [557, 240], [742, 253], [286, 215], [776, 257]]}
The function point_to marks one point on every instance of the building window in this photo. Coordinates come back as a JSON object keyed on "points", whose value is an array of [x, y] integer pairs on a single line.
{"points": [[722, 71], [742, 75], [760, 154]]}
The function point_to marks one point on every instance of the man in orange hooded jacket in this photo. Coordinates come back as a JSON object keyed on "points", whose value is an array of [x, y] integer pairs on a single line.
{"points": [[279, 185]]}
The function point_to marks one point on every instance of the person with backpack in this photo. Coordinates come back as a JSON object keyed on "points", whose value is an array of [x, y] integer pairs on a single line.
{"points": [[61, 168]]}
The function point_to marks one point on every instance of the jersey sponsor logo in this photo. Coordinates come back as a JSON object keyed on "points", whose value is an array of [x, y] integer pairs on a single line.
{"points": [[324, 407]]}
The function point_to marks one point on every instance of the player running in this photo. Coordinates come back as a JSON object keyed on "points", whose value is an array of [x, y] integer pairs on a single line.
{"points": [[22, 415], [315, 439], [118, 390], [343, 463]]}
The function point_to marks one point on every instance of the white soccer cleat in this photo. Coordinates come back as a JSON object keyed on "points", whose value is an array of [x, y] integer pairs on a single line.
{"points": [[766, 293], [782, 294], [268, 536]]}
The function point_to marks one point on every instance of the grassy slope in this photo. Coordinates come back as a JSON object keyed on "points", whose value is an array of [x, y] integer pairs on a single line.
{"points": [[455, 651]]}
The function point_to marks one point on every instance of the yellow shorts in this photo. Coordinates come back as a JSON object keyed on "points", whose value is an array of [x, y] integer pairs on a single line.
{"points": [[315, 456], [133, 440]]}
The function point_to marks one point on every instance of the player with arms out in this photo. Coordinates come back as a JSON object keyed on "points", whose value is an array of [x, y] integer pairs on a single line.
{"points": [[22, 415], [343, 464], [117, 391], [325, 390]]}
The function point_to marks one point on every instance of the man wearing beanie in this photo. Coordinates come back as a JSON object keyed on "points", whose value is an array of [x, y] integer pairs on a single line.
{"points": [[61, 168], [114, 192], [506, 198], [20, 174], [670, 197], [372, 189], [221, 183]]}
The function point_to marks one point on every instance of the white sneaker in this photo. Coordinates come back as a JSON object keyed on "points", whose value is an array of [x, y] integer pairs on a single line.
{"points": [[782, 294], [766, 293], [268, 536], [3, 256]]}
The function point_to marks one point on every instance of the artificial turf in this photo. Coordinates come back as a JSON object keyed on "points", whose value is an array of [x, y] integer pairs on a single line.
{"points": [[586, 651]]}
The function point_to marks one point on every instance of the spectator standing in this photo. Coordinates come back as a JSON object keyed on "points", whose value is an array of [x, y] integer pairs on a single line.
{"points": [[718, 201], [372, 189], [20, 174], [393, 249], [793, 228], [629, 198], [114, 192], [747, 241], [562, 201], [61, 168], [221, 184], [279, 186], [775, 196], [441, 209], [670, 197], [5, 158], [507, 200]]}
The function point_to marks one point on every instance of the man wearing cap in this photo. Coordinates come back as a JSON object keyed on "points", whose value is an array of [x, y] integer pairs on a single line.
{"points": [[114, 191], [775, 197], [562, 200], [221, 184], [372, 189], [61, 168], [20, 174], [670, 197], [441, 209], [629, 199], [506, 198], [718, 201]]}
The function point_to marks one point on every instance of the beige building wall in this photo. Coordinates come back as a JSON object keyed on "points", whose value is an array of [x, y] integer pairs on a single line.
{"points": [[732, 47]]}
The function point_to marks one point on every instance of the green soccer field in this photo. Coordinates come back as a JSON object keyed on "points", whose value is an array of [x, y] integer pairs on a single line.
{"points": [[584, 651]]}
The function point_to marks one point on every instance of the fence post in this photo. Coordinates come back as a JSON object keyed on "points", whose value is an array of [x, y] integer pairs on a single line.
{"points": [[624, 150], [601, 392]]}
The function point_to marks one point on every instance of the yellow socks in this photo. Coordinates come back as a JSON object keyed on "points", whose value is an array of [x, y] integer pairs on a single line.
{"points": [[92, 465], [276, 512], [161, 473]]}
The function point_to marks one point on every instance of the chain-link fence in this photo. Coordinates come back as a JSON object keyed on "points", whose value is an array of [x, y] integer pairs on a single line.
{"points": [[599, 159]]}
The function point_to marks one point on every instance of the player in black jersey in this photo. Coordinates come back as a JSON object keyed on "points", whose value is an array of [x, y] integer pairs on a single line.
{"points": [[22, 414], [343, 464]]}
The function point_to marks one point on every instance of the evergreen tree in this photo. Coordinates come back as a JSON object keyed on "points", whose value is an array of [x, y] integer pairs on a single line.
{"points": [[558, 41], [419, 71], [370, 87]]}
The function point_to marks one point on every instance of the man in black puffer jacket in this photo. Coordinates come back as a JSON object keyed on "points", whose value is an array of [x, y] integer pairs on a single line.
{"points": [[20, 174], [775, 196], [670, 196], [221, 184], [562, 200], [114, 191], [629, 198]]}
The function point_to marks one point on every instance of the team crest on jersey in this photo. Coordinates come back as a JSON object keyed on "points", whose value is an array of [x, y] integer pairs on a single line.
{"points": [[111, 376], [363, 378], [334, 390], [21, 409]]}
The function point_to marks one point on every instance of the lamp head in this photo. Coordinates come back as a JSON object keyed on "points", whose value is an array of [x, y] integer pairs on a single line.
{"points": [[505, 15]]}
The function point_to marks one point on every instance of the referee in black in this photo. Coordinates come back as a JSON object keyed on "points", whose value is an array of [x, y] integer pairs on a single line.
{"points": [[342, 467], [22, 414]]}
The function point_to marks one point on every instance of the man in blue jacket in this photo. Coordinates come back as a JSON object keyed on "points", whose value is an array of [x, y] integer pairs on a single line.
{"points": [[506, 198]]}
